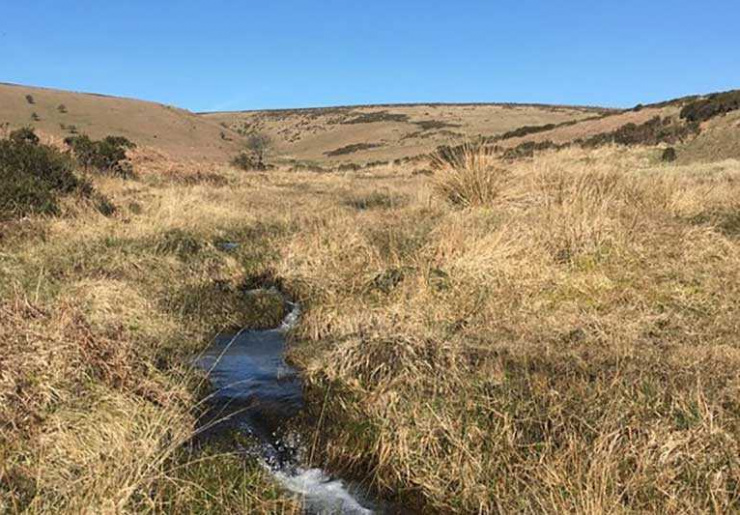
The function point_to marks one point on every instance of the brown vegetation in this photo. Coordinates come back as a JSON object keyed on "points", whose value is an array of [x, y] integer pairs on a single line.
{"points": [[566, 345]]}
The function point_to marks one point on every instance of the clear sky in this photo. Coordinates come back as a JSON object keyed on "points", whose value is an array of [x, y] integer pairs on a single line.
{"points": [[228, 55]]}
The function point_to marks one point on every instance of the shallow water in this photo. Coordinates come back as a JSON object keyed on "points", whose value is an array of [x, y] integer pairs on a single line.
{"points": [[257, 392]]}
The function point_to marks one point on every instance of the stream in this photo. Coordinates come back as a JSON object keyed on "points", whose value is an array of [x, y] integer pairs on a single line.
{"points": [[256, 392]]}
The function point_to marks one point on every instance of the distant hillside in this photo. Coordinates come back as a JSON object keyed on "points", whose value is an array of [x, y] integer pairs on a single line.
{"points": [[386, 132], [703, 128], [378, 133], [176, 131]]}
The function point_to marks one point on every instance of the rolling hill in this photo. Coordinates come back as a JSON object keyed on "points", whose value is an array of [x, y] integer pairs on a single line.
{"points": [[60, 113], [387, 132], [351, 134]]}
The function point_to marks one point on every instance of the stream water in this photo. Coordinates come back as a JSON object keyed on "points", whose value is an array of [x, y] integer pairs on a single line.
{"points": [[256, 392]]}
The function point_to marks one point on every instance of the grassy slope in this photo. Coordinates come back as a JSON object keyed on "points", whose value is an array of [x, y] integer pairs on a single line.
{"points": [[172, 130], [398, 130], [588, 128], [720, 139]]}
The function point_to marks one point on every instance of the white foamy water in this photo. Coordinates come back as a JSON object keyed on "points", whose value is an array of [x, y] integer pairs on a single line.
{"points": [[320, 494], [291, 319]]}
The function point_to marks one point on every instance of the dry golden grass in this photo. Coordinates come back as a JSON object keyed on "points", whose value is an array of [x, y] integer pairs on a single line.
{"points": [[468, 174], [99, 319], [567, 344], [570, 345]]}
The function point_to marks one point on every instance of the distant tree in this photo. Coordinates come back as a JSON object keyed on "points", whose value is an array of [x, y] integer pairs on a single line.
{"points": [[30, 100], [62, 108], [259, 144]]}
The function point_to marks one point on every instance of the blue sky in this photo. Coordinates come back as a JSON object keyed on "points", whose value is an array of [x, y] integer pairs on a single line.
{"points": [[223, 55]]}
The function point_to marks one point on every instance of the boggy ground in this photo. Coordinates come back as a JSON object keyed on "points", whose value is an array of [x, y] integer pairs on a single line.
{"points": [[566, 341]]}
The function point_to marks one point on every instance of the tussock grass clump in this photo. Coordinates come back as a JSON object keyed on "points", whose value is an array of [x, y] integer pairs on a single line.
{"points": [[467, 175]]}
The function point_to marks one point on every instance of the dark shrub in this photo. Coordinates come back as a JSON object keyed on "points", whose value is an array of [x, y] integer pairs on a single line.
{"points": [[34, 176], [526, 130], [669, 155], [373, 164], [376, 116], [528, 149], [654, 131], [30, 100], [423, 171], [35, 117], [24, 135], [348, 167], [349, 149], [245, 161], [105, 156], [429, 125], [62, 108], [706, 108], [308, 167]]}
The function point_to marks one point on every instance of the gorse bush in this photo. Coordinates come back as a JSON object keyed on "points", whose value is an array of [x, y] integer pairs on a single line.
{"points": [[34, 176], [105, 156], [704, 109], [528, 149], [351, 149], [466, 174], [654, 131], [24, 135], [244, 161]]}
